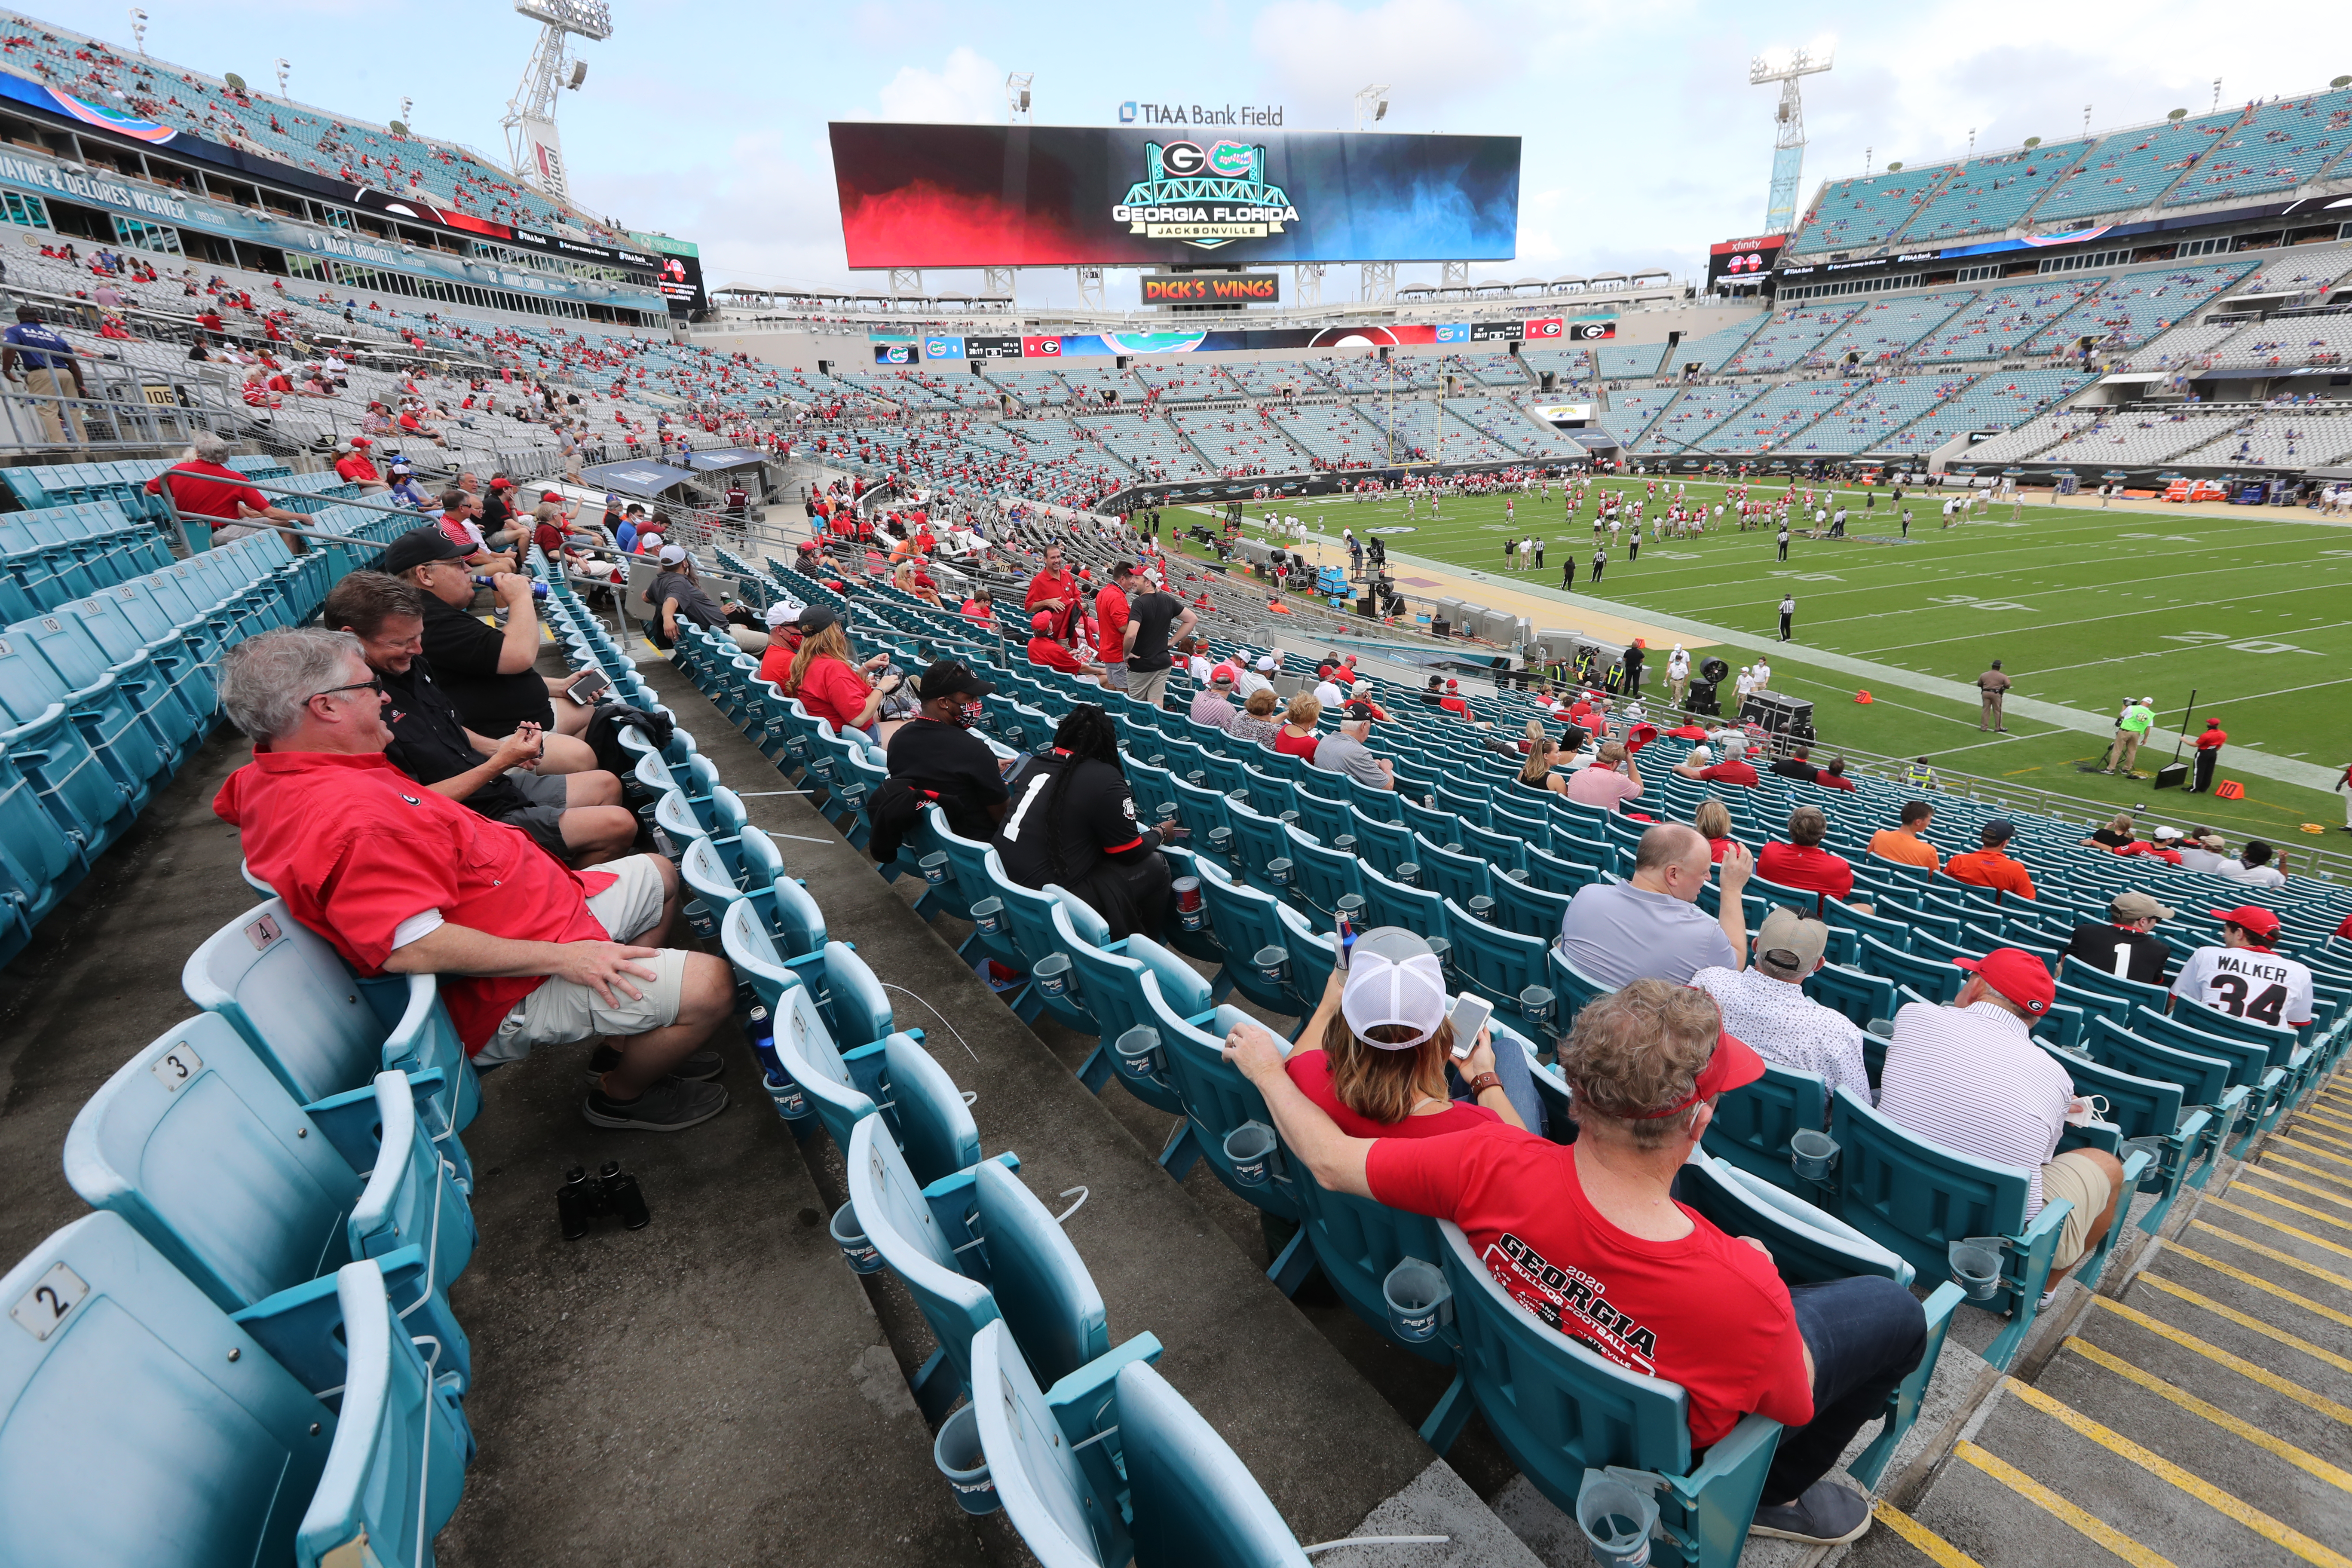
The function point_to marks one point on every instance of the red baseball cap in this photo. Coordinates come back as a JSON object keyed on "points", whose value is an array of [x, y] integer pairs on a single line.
{"points": [[502, 483], [1043, 621], [2016, 975], [2252, 919], [1732, 1066]]}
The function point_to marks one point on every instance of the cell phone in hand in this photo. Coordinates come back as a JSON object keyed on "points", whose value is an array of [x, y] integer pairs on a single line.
{"points": [[1469, 1016], [589, 687]]}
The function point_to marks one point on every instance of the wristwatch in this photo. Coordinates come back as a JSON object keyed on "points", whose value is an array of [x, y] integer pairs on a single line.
{"points": [[1483, 1082]]}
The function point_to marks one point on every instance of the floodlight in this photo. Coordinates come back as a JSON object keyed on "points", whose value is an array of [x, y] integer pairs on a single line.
{"points": [[589, 19]]}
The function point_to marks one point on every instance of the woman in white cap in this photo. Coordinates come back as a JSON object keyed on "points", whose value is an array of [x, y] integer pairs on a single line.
{"points": [[1375, 1054]]}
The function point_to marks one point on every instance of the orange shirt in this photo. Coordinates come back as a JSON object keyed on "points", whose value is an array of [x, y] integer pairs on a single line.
{"points": [[1901, 844], [1990, 868]]}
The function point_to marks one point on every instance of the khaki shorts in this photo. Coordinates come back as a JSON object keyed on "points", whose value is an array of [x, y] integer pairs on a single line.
{"points": [[561, 1011], [2073, 1177]]}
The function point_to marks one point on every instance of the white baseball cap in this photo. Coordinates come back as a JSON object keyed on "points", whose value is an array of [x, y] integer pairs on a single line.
{"points": [[1265, 662], [783, 610], [1394, 981], [672, 554]]}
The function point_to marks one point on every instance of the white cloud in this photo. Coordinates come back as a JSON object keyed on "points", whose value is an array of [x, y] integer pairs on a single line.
{"points": [[967, 89], [1428, 50]]}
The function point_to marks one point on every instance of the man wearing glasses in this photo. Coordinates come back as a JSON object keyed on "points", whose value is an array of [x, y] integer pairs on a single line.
{"points": [[403, 881]]}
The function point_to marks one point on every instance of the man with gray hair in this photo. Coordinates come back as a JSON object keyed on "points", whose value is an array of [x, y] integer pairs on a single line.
{"points": [[403, 881], [203, 489], [1765, 1005], [1345, 751], [1618, 933]]}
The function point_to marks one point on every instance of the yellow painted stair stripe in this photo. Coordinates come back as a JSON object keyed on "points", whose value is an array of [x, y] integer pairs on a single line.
{"points": [[2268, 1197], [2307, 1133], [2310, 1463], [2042, 1497], [2235, 1362], [2203, 1491], [2247, 1320], [2273, 1253], [2267, 1173], [2228, 1208], [1945, 1553], [2281, 1140], [2258, 1282]]}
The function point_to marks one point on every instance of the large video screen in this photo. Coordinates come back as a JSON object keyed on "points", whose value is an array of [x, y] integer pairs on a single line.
{"points": [[1020, 195]]}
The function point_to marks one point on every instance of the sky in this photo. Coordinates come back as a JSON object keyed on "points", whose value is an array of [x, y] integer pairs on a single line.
{"points": [[1642, 142]]}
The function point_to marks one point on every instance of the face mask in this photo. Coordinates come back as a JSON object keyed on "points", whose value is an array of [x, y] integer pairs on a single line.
{"points": [[967, 716]]}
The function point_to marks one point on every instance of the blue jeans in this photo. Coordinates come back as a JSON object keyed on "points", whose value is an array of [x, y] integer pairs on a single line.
{"points": [[1866, 1336], [1518, 1086]]}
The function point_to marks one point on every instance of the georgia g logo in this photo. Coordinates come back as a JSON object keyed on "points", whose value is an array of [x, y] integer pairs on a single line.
{"points": [[1182, 158]]}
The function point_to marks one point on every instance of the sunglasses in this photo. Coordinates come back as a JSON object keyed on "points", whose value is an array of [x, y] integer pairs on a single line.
{"points": [[375, 686]]}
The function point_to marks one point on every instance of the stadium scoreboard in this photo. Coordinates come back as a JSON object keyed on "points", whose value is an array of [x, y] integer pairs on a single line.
{"points": [[1021, 195]]}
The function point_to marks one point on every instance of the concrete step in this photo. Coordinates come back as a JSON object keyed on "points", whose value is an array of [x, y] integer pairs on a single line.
{"points": [[1335, 1457]]}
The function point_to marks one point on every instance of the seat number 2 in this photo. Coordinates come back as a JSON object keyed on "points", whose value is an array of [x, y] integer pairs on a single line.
{"points": [[39, 1311]]}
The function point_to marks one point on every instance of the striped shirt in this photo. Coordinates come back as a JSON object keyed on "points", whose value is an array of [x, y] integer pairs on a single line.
{"points": [[1972, 1080]]}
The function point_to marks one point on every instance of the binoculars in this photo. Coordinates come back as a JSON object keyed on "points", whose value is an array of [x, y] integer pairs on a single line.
{"points": [[611, 1192]]}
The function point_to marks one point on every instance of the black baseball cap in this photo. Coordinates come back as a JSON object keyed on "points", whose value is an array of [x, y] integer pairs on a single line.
{"points": [[952, 677], [816, 618], [416, 547]]}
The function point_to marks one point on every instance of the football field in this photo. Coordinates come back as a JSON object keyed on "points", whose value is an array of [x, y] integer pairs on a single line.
{"points": [[2087, 607]]}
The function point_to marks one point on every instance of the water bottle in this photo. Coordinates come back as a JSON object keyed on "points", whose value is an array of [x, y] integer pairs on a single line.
{"points": [[538, 590], [762, 1031]]}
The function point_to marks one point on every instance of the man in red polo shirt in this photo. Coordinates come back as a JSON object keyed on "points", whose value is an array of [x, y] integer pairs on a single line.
{"points": [[1046, 650], [1733, 769], [355, 465], [2208, 755], [1110, 626], [1587, 1239], [206, 490], [1053, 590], [403, 881], [1801, 862]]}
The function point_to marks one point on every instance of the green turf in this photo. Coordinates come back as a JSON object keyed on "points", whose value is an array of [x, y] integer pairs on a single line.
{"points": [[2085, 607]]}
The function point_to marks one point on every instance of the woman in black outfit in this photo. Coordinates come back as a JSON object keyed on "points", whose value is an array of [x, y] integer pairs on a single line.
{"points": [[1073, 823]]}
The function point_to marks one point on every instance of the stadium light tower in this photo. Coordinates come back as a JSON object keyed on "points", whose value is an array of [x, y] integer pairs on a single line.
{"points": [[1016, 97], [139, 30], [284, 70], [1375, 99], [1789, 140], [532, 147]]}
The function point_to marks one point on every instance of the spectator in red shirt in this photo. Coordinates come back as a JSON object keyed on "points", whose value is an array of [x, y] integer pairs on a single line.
{"points": [[1376, 1076], [1991, 865], [980, 609], [1587, 1239], [1055, 592], [1712, 820], [403, 881], [2167, 846], [1110, 626], [784, 619], [355, 465], [1802, 863], [206, 489], [1732, 770], [1044, 649], [1297, 738], [833, 686], [1834, 777]]}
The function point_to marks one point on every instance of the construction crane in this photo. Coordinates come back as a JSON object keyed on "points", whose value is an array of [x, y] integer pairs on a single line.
{"points": [[532, 147], [1789, 137]]}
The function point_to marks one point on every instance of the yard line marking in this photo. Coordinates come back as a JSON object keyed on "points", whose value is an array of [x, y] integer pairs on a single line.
{"points": [[2164, 1469], [2248, 1321], [2231, 1360], [1944, 1553], [2228, 1208], [2034, 1491], [2309, 1463]]}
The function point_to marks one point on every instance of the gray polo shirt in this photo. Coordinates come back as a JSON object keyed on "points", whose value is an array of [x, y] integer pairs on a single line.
{"points": [[1619, 934], [1342, 753]]}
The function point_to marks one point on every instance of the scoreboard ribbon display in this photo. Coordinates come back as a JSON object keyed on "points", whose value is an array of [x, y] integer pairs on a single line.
{"points": [[1212, 288]]}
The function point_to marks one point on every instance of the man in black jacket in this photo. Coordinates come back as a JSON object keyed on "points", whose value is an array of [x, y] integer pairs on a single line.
{"points": [[2124, 945], [937, 756]]}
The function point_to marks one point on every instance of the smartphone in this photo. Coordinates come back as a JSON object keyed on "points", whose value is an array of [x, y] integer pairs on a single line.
{"points": [[1469, 1014], [1343, 940], [590, 687]]}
